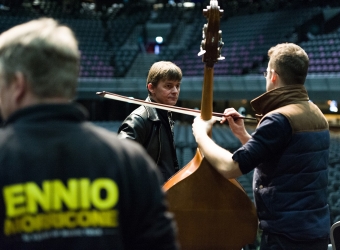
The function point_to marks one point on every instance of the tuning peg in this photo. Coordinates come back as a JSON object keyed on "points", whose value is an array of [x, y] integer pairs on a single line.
{"points": [[203, 44], [202, 52], [205, 13], [220, 42], [204, 30], [220, 45], [219, 55]]}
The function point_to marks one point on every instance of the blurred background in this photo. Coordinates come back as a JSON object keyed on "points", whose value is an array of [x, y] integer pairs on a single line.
{"points": [[120, 40]]}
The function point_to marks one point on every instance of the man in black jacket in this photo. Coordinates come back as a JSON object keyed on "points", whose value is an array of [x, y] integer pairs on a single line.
{"points": [[65, 183], [153, 128]]}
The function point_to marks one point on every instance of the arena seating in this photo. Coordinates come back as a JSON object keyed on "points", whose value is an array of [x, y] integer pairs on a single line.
{"points": [[95, 52], [324, 53], [109, 44], [246, 41]]}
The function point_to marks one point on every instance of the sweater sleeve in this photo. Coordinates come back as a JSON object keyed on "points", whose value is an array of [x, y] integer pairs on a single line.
{"points": [[269, 139]]}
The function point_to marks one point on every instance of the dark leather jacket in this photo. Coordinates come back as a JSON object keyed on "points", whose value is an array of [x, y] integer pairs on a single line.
{"points": [[144, 126]]}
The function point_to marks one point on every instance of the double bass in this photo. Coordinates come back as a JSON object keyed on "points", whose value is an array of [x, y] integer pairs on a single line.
{"points": [[211, 212]]}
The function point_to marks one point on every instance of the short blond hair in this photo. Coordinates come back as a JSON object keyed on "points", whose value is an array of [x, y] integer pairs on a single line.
{"points": [[46, 53], [163, 70], [290, 61]]}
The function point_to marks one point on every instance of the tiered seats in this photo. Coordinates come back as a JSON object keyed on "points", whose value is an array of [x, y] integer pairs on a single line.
{"points": [[167, 14], [122, 60], [324, 53], [186, 28], [95, 53], [94, 49], [246, 40], [123, 40], [7, 20]]}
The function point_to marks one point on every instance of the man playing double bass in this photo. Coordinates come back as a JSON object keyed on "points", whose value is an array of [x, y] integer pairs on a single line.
{"points": [[289, 152]]}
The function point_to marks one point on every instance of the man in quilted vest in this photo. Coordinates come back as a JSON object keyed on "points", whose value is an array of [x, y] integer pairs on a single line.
{"points": [[288, 152]]}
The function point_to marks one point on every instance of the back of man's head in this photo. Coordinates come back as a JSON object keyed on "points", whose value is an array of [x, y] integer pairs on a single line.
{"points": [[47, 55], [290, 61]]}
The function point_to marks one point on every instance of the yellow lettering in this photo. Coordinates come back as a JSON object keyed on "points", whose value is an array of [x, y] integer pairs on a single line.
{"points": [[84, 195], [36, 196], [28, 223], [41, 222], [111, 193], [14, 200], [71, 219], [110, 218], [9, 227], [98, 220], [66, 195], [22, 200], [84, 219], [56, 220]]}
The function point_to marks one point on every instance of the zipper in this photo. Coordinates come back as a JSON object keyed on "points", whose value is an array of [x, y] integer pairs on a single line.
{"points": [[160, 144]]}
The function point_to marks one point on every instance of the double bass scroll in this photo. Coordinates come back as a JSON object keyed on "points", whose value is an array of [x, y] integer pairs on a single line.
{"points": [[211, 212]]}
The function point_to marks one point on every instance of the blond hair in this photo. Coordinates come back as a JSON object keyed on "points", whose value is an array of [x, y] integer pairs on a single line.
{"points": [[290, 61], [163, 70]]}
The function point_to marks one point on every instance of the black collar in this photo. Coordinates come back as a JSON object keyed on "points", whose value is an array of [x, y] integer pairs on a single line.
{"points": [[48, 112]]}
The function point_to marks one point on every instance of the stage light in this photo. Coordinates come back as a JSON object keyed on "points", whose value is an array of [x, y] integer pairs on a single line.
{"points": [[333, 106], [159, 39], [188, 4]]}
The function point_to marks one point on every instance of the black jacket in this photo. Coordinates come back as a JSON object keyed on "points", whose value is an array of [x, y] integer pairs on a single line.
{"points": [[145, 126], [67, 184]]}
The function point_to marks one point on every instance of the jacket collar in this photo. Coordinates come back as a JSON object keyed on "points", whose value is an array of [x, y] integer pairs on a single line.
{"points": [[152, 112], [49, 112], [279, 97]]}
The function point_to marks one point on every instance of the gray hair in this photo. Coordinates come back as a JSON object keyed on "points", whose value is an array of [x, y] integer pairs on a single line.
{"points": [[46, 53]]}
